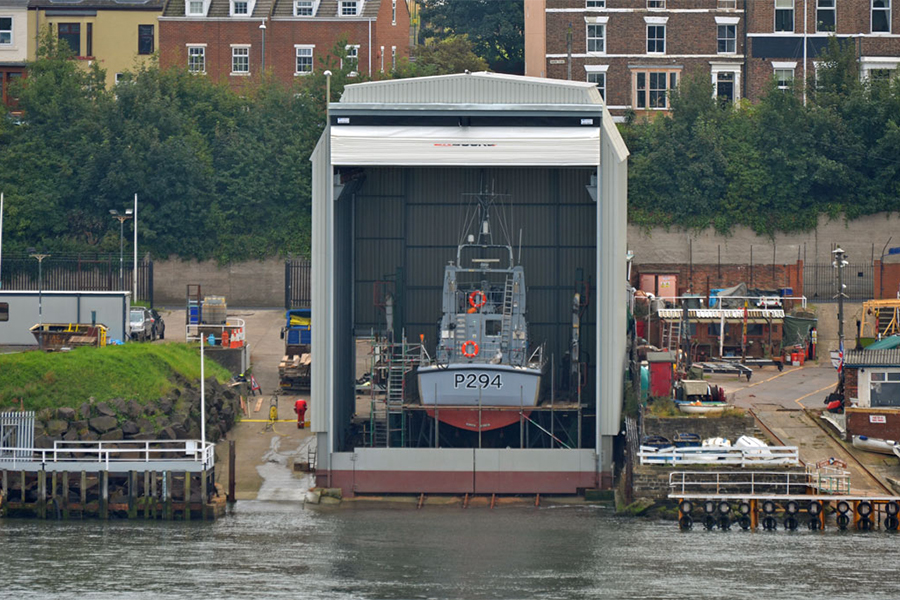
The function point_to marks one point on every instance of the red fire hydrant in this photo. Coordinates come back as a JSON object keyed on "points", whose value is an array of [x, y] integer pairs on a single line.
{"points": [[300, 409]]}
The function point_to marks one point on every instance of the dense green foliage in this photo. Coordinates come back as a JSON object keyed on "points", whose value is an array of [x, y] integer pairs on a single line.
{"points": [[496, 28], [226, 175], [141, 372], [773, 166], [218, 174]]}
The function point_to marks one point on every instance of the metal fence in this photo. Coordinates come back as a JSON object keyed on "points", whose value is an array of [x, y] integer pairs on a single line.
{"points": [[79, 272], [820, 282], [297, 283]]}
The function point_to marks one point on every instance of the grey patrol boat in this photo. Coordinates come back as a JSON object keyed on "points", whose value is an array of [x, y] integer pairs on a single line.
{"points": [[482, 369]]}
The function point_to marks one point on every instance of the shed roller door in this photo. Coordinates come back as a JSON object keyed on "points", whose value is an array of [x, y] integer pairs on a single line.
{"points": [[449, 146]]}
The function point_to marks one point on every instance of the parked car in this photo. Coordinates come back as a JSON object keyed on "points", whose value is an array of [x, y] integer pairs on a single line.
{"points": [[141, 324], [159, 326]]}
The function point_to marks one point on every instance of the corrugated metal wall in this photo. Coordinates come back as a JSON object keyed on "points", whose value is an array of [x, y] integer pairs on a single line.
{"points": [[412, 218]]}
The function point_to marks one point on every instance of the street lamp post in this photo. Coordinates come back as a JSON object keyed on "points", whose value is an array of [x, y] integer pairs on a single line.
{"points": [[40, 258], [839, 262], [121, 218]]}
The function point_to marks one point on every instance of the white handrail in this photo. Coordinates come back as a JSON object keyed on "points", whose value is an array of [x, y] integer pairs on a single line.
{"points": [[102, 452], [787, 455]]}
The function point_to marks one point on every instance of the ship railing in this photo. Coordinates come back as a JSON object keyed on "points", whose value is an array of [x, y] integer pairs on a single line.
{"points": [[537, 357]]}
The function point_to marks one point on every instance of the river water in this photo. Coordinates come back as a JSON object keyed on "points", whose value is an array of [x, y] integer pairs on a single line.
{"points": [[281, 550]]}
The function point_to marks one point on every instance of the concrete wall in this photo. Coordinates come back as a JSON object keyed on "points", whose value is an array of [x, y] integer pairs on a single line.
{"points": [[727, 427], [248, 284], [858, 238]]}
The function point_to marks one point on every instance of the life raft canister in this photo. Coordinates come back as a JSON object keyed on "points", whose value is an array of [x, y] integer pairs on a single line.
{"points": [[470, 349], [477, 299]]}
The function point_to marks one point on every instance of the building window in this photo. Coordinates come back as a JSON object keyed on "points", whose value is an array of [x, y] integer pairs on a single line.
{"points": [[382, 58], [595, 4], [393, 57], [70, 33], [89, 38], [349, 8], [304, 60], [4, 306], [352, 60], [596, 37], [145, 39], [393, 12], [727, 4], [881, 16], [725, 86], [195, 7], [197, 59], [6, 31], [656, 39], [884, 389], [240, 60], [303, 8], [656, 3], [727, 39], [784, 15], [784, 78], [240, 7], [652, 87], [598, 79], [825, 16]]}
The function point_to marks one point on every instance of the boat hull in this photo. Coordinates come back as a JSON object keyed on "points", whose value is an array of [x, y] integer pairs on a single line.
{"points": [[874, 444], [469, 389], [701, 408]]}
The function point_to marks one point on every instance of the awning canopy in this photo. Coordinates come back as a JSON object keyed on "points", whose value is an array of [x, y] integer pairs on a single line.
{"points": [[464, 146]]}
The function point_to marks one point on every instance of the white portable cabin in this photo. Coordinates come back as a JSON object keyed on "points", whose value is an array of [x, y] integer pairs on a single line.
{"points": [[20, 310]]}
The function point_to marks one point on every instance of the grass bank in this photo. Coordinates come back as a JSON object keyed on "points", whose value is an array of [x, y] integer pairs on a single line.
{"points": [[140, 372]]}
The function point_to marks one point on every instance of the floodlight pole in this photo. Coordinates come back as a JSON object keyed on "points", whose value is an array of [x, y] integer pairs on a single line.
{"points": [[134, 273], [202, 402], [40, 258], [1, 240]]}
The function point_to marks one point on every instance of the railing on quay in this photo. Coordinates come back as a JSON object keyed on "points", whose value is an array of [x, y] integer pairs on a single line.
{"points": [[769, 483], [106, 454], [743, 456], [233, 325]]}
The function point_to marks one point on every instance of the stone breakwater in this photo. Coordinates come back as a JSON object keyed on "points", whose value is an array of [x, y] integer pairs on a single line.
{"points": [[175, 416]]}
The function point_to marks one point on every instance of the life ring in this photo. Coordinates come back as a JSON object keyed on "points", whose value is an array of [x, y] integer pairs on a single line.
{"points": [[470, 349], [477, 299]]}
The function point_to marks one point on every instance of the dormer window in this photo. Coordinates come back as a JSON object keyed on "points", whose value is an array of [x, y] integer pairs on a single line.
{"points": [[196, 8], [350, 8], [305, 8], [241, 8]]}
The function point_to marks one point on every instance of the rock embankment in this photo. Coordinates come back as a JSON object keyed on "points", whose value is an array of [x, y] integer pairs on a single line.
{"points": [[173, 417]]}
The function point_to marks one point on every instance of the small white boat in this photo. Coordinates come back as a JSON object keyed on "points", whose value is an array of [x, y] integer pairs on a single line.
{"points": [[878, 445], [753, 447], [701, 408], [717, 442], [897, 449]]}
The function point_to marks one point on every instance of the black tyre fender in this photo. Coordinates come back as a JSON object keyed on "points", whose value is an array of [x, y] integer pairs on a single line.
{"points": [[790, 523], [814, 524], [891, 523], [843, 521], [686, 522], [744, 522]]}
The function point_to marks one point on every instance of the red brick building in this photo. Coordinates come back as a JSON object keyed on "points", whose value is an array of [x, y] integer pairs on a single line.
{"points": [[638, 50], [234, 40]]}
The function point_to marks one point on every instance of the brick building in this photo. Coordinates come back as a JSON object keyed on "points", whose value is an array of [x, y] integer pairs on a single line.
{"points": [[235, 39], [638, 50], [13, 44]]}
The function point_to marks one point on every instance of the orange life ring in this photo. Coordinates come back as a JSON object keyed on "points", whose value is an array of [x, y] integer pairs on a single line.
{"points": [[477, 299], [470, 349]]}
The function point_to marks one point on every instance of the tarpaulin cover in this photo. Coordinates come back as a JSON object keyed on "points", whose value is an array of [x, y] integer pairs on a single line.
{"points": [[796, 331]]}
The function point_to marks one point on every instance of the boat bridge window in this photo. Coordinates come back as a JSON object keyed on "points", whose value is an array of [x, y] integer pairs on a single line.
{"points": [[492, 327]]}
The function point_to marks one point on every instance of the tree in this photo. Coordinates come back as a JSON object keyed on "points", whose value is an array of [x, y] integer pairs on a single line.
{"points": [[453, 54], [495, 27]]}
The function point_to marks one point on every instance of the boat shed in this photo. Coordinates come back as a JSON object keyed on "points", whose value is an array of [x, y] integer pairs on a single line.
{"points": [[389, 172]]}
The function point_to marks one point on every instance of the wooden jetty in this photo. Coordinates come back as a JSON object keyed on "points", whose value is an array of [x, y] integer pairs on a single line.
{"points": [[773, 500], [150, 479]]}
